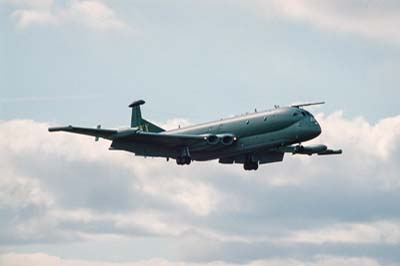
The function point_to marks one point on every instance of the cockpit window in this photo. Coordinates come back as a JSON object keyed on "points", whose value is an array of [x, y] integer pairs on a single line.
{"points": [[303, 113]]}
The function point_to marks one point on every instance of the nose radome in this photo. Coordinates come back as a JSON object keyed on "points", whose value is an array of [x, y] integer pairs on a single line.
{"points": [[317, 129]]}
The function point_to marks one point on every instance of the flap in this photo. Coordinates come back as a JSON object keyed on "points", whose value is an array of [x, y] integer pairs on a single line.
{"points": [[171, 140]]}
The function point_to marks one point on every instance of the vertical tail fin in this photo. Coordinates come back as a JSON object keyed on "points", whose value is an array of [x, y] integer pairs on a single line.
{"points": [[136, 119]]}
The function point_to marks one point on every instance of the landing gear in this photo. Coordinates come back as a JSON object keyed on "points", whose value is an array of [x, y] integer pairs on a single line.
{"points": [[250, 166], [184, 157], [250, 163], [183, 160]]}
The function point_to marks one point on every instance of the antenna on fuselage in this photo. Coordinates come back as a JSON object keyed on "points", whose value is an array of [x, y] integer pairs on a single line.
{"points": [[306, 104]]}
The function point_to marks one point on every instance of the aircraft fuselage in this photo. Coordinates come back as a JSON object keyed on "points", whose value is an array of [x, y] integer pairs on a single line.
{"points": [[254, 133]]}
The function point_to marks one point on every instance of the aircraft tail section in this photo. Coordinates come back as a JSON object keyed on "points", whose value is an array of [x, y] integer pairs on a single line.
{"points": [[151, 127], [137, 120]]}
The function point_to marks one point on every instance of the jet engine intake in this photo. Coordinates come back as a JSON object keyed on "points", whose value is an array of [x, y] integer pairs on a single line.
{"points": [[212, 139], [227, 139], [224, 139]]}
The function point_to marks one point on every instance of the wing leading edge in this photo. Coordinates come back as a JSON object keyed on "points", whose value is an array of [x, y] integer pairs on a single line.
{"points": [[95, 132]]}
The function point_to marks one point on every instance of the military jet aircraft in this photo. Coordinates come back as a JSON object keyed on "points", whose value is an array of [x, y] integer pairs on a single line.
{"points": [[251, 139]]}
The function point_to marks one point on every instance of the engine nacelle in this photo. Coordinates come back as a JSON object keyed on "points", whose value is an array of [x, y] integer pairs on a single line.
{"points": [[212, 139], [227, 139], [310, 149], [224, 139]]}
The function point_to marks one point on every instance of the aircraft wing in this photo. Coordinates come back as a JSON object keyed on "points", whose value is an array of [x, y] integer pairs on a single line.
{"points": [[95, 132], [168, 140], [135, 135]]}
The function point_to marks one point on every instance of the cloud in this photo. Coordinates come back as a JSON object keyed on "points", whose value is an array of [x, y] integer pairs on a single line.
{"points": [[13, 259], [27, 18], [374, 19], [61, 188], [30, 3], [378, 232], [94, 14], [20, 191], [90, 13]]}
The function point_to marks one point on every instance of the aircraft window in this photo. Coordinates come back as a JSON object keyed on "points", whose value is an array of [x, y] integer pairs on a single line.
{"points": [[295, 114], [303, 113], [247, 122]]}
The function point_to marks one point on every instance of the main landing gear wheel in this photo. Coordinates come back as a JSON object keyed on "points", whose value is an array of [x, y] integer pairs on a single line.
{"points": [[183, 160], [184, 157], [250, 166]]}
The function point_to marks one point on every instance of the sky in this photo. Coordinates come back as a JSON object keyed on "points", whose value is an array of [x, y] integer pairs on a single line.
{"points": [[66, 200]]}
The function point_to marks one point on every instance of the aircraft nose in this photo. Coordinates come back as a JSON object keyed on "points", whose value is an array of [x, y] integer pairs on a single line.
{"points": [[308, 129], [316, 130]]}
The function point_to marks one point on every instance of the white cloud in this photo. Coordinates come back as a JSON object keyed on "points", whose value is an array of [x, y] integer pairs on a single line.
{"points": [[383, 232], [42, 259], [24, 186], [31, 3], [318, 261], [375, 19], [369, 150], [21, 191], [175, 123], [94, 14], [90, 13], [28, 17], [63, 187]]}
